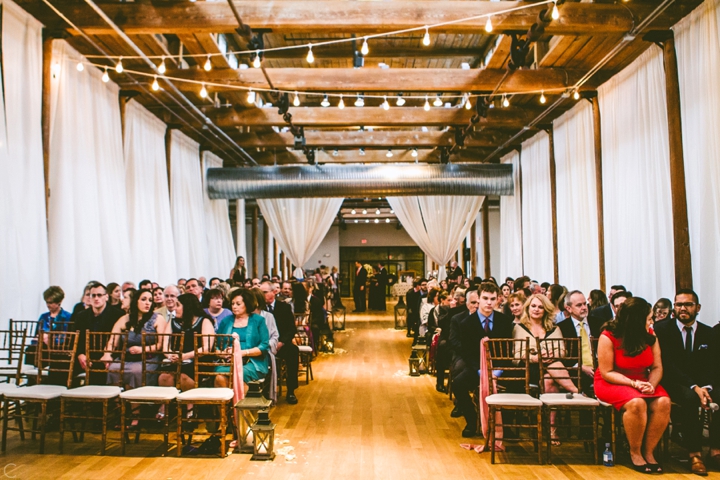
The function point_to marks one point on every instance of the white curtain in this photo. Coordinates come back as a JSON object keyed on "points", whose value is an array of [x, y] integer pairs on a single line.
{"points": [[437, 224], [299, 224], [636, 179], [697, 42], [221, 251], [151, 233], [241, 241], [511, 253], [23, 231], [187, 205], [536, 209], [88, 223], [578, 258]]}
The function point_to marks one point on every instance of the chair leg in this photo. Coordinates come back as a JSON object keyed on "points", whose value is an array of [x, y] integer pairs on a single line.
{"points": [[104, 425], [548, 435], [43, 420], [491, 434], [19, 421], [166, 431], [62, 425], [6, 412], [122, 426], [540, 434], [223, 428], [179, 430]]}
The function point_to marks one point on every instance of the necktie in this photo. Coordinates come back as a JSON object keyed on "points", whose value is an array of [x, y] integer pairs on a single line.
{"points": [[487, 324], [688, 340], [585, 346], [270, 308]]}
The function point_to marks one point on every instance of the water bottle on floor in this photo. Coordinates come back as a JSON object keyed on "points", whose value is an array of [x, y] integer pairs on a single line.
{"points": [[608, 459]]}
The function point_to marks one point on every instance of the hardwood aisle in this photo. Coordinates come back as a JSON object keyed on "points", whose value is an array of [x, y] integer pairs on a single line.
{"points": [[362, 417]]}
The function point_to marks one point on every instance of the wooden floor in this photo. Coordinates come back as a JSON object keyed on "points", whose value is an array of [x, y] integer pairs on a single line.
{"points": [[362, 417]]}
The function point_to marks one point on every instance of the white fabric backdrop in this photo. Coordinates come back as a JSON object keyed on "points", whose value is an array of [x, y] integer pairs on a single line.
{"points": [[578, 258], [187, 205], [511, 248], [299, 224], [151, 234], [636, 179], [88, 224], [241, 241], [438, 224], [221, 251], [23, 235], [697, 43], [536, 213]]}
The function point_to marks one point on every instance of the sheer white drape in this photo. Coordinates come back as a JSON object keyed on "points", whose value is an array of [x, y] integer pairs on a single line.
{"points": [[437, 224], [536, 211], [299, 224], [578, 258], [151, 233], [23, 235], [511, 248], [221, 251], [636, 179], [187, 206], [240, 240], [88, 224], [697, 42]]}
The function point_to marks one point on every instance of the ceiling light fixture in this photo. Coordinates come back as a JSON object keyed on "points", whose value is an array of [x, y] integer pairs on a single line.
{"points": [[208, 64], [438, 101], [426, 38], [296, 100], [161, 67], [389, 153], [341, 103], [400, 100], [489, 25], [325, 101], [414, 152], [427, 104], [365, 49], [310, 57]]}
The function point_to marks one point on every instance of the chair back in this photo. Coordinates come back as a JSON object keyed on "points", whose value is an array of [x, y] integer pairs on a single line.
{"points": [[302, 319], [162, 345], [560, 358], [97, 344], [61, 326], [211, 351], [57, 354], [512, 356], [28, 326], [12, 346]]}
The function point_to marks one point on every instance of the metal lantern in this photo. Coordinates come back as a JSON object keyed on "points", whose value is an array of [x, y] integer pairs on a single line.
{"points": [[400, 315], [414, 363], [248, 411], [263, 437], [420, 350], [338, 318]]}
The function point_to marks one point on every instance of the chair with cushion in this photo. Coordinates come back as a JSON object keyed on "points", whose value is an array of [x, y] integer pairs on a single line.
{"points": [[12, 347], [32, 402]]}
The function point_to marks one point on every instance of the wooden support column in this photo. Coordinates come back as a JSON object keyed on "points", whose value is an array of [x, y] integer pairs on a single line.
{"points": [[255, 243], [473, 249], [486, 238], [46, 114], [276, 252], [553, 204], [599, 190], [283, 268], [288, 267], [461, 257], [266, 248]]}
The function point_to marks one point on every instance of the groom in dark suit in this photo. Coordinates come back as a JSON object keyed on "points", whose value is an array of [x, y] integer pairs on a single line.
{"points": [[689, 358]]}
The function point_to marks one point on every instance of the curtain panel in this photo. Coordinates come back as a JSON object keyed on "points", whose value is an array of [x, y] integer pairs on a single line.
{"points": [[221, 251], [578, 257], [511, 248]]}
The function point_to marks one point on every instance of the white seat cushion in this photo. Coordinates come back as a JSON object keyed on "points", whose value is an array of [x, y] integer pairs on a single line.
{"points": [[37, 392], [12, 369], [196, 394], [93, 391], [513, 399], [151, 393], [305, 348], [553, 399], [33, 371], [603, 404], [7, 387]]}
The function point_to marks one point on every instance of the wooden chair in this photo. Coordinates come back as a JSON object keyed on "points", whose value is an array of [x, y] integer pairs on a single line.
{"points": [[170, 344], [305, 352], [561, 359], [12, 347], [210, 351], [504, 354], [59, 356], [85, 399], [606, 409]]}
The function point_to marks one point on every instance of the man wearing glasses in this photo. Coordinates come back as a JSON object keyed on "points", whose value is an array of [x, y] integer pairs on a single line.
{"points": [[689, 358]]}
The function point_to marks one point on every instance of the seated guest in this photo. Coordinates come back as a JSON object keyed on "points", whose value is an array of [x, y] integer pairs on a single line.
{"points": [[145, 285], [299, 297], [556, 295], [629, 371], [606, 311], [318, 316], [253, 336], [114, 295], [440, 322], [84, 304], [661, 310], [505, 290], [260, 309], [130, 293], [515, 303], [689, 357], [158, 298], [56, 318], [597, 299], [214, 282], [426, 306], [170, 296], [214, 302], [521, 283]]}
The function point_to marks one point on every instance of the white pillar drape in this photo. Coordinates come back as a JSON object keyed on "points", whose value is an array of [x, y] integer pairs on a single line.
{"points": [[88, 223], [151, 233], [187, 205], [536, 209], [221, 251], [697, 43], [299, 224], [240, 229], [578, 256], [636, 179], [437, 224], [511, 248], [23, 235]]}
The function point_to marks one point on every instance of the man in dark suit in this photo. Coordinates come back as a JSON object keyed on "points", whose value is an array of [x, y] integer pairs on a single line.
{"points": [[359, 287], [382, 279], [482, 321], [286, 349], [444, 355], [689, 355], [606, 312], [413, 298]]}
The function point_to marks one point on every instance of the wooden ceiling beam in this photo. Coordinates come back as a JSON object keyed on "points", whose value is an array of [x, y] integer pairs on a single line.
{"points": [[284, 157]]}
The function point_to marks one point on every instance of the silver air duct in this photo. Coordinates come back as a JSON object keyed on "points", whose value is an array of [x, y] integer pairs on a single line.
{"points": [[303, 181]]}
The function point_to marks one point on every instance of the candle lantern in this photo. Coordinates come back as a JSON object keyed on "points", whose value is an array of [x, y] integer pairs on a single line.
{"points": [[338, 318], [247, 410], [263, 437], [414, 363], [400, 315], [420, 350]]}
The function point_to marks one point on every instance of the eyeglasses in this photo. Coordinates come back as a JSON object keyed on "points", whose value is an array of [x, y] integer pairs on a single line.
{"points": [[97, 295], [685, 305]]}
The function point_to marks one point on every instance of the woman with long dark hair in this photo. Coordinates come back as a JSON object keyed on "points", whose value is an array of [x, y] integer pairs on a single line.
{"points": [[238, 274]]}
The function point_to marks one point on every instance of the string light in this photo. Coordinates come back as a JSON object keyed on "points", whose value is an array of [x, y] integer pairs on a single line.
{"points": [[468, 105], [80, 67], [427, 104], [576, 95], [251, 96], [489, 25], [359, 102], [542, 98], [256, 61], [364, 212], [426, 38], [377, 212], [367, 221], [341, 103], [400, 100], [377, 220], [555, 12], [414, 152], [387, 220], [310, 57], [105, 77], [296, 100], [362, 154], [208, 64], [155, 84], [161, 67], [353, 212], [438, 101], [389, 153], [365, 49], [119, 67], [356, 220], [386, 104], [203, 91], [325, 101], [505, 101]]}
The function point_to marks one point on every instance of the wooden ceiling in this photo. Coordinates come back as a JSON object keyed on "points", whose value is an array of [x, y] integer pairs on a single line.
{"points": [[461, 58]]}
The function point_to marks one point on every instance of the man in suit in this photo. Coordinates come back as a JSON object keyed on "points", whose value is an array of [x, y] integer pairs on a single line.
{"points": [[413, 298], [286, 349], [482, 321], [170, 295], [382, 279], [359, 287], [689, 353], [606, 312]]}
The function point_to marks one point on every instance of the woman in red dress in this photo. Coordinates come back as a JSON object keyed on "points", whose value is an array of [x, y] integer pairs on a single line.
{"points": [[629, 371]]}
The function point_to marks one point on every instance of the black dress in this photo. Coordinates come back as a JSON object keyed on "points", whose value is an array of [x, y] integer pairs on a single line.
{"points": [[188, 366]]}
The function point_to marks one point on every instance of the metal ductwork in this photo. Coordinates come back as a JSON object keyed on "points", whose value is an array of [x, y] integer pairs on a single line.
{"points": [[303, 181]]}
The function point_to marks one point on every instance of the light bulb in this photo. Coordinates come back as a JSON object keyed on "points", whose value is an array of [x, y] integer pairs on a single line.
{"points": [[80, 67], [155, 85], [377, 212], [426, 38], [542, 98], [427, 104], [438, 102], [367, 221], [105, 77], [468, 105], [505, 102], [386, 104], [203, 91], [362, 152], [365, 49], [325, 101], [389, 153], [119, 67], [296, 100], [489, 25], [356, 220], [208, 64], [359, 102], [161, 67], [256, 61], [555, 12], [387, 220], [576, 95], [400, 101], [310, 57], [377, 221], [414, 152], [251, 96], [353, 212], [364, 212], [341, 103]]}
